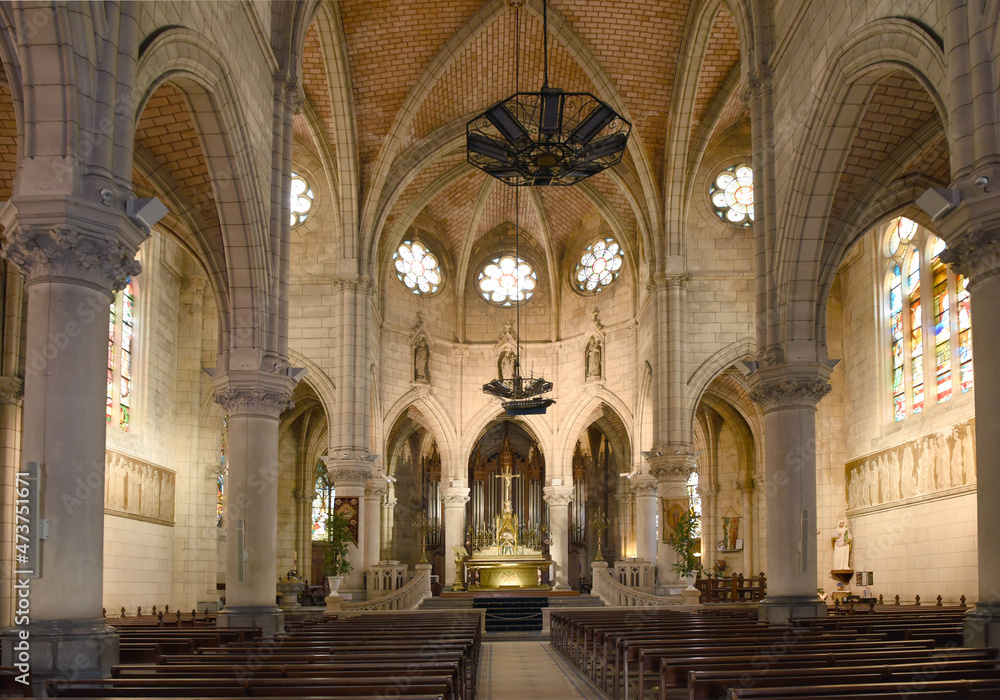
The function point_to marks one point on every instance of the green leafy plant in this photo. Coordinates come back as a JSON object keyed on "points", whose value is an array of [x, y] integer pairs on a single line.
{"points": [[681, 539], [338, 541]]}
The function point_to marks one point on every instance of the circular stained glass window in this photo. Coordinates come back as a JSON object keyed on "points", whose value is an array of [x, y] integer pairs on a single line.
{"points": [[598, 266], [507, 279], [732, 195], [417, 267], [300, 200]]}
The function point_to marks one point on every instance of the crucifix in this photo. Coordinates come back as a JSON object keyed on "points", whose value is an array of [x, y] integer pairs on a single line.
{"points": [[507, 477]]}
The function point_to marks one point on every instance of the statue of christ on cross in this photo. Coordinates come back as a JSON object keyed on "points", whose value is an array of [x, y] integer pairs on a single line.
{"points": [[507, 477]]}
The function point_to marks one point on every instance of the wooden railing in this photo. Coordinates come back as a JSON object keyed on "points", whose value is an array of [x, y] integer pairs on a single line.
{"points": [[732, 589], [406, 598]]}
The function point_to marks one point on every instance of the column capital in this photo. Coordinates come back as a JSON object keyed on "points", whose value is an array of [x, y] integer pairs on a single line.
{"points": [[676, 465], [663, 280], [376, 488], [643, 484], [71, 239], [262, 393], [11, 390], [349, 472], [454, 496], [974, 253], [557, 495], [785, 386]]}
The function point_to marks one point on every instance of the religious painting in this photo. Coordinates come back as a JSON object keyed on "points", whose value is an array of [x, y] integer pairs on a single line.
{"points": [[349, 508], [672, 510], [138, 490]]}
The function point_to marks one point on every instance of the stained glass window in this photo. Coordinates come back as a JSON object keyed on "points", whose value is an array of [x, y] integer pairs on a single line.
{"points": [[911, 280], [322, 502], [121, 353], [505, 280], [732, 195], [300, 200], [599, 265], [417, 267], [694, 499], [220, 486]]}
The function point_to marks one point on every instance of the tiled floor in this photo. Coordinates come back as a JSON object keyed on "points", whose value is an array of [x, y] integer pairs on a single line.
{"points": [[527, 670]]}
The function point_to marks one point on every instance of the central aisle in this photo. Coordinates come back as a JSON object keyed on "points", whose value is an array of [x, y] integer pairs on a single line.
{"points": [[519, 670]]}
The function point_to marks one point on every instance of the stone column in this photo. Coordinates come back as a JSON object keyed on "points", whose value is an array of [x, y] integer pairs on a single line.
{"points": [[374, 490], [976, 254], [388, 518], [349, 480], [644, 488], [559, 498], [11, 395], [671, 473], [788, 395], [74, 255], [454, 499], [253, 401]]}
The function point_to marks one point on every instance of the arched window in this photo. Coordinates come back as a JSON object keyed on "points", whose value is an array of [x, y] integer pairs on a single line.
{"points": [[598, 266], [922, 345], [121, 352], [694, 499], [322, 502], [300, 200], [732, 195], [417, 267], [220, 482], [507, 279]]}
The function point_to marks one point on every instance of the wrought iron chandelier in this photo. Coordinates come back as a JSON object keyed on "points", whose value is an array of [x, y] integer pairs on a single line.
{"points": [[520, 396], [549, 137]]}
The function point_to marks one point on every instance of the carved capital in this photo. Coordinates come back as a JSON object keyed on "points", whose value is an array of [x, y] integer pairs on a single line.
{"points": [[11, 390], [236, 401], [454, 496], [975, 254], [375, 488], [67, 252], [643, 484], [349, 472], [675, 463], [785, 392], [759, 83], [558, 495]]}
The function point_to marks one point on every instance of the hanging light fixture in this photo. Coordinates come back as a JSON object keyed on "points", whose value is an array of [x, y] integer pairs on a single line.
{"points": [[519, 396], [549, 137]]}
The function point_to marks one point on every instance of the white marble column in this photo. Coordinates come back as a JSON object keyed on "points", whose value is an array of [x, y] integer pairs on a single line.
{"points": [[454, 499], [74, 255], [977, 255], [559, 498], [349, 480], [253, 402], [374, 490], [671, 473], [788, 395], [644, 488]]}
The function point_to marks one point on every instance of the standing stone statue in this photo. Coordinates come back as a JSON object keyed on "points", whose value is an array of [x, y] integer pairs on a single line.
{"points": [[594, 358], [421, 366], [507, 361], [842, 547]]}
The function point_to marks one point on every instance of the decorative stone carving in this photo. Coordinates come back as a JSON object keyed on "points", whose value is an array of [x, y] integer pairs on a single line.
{"points": [[137, 489], [643, 485], [790, 392], [375, 489], [254, 401], [421, 351], [63, 251], [347, 473], [593, 357], [454, 496], [558, 495], [676, 465], [975, 254], [11, 390]]}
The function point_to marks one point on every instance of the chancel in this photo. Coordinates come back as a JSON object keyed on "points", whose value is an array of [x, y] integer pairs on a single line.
{"points": [[570, 303]]}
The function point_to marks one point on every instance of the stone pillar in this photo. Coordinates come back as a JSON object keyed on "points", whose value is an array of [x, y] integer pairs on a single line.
{"points": [[253, 401], [388, 518], [349, 480], [454, 499], [671, 473], [644, 488], [11, 395], [976, 254], [374, 490], [788, 395], [74, 255], [559, 498]]}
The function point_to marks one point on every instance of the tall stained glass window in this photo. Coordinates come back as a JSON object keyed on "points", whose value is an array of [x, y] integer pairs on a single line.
{"points": [[694, 499], [121, 353], [923, 344], [300, 200], [322, 502], [220, 483]]}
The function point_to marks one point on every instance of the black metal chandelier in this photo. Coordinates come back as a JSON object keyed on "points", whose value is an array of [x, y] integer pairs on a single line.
{"points": [[549, 137]]}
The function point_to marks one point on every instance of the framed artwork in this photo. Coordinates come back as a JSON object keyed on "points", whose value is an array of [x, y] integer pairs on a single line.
{"points": [[349, 508], [671, 511]]}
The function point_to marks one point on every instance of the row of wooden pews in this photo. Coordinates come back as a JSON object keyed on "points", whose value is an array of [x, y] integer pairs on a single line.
{"points": [[412, 656], [643, 653]]}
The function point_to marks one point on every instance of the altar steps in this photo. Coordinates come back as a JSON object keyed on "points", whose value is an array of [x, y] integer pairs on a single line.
{"points": [[512, 614]]}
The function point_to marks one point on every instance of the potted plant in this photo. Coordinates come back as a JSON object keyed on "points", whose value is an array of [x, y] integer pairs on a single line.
{"points": [[682, 540], [338, 539]]}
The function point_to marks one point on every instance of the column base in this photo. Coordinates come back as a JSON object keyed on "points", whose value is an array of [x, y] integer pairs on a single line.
{"points": [[981, 627], [270, 618], [780, 609], [61, 649]]}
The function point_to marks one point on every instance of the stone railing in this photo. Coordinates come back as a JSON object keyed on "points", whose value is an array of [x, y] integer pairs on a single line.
{"points": [[386, 577], [406, 598], [613, 593], [636, 574]]}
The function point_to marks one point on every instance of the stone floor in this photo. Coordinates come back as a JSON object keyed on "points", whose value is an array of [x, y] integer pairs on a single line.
{"points": [[517, 670]]}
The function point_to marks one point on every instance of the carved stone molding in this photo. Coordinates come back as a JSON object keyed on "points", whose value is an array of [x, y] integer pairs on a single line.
{"points": [[790, 392], [375, 489], [356, 284], [643, 484], [557, 495], [676, 465], [64, 251], [347, 473], [975, 254], [237, 401], [11, 390], [454, 496]]}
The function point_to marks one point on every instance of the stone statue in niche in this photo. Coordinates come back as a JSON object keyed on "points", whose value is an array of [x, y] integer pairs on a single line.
{"points": [[421, 361], [506, 364], [842, 547], [594, 359]]}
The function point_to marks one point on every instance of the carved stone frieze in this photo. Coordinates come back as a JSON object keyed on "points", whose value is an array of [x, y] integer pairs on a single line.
{"points": [[11, 390], [63, 251]]}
